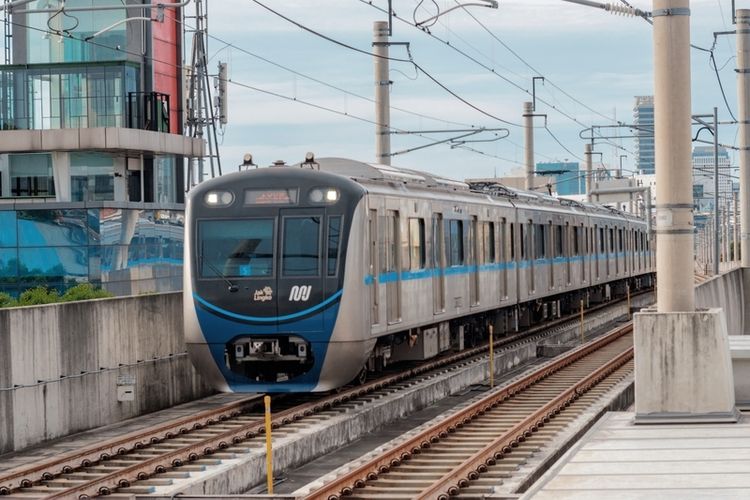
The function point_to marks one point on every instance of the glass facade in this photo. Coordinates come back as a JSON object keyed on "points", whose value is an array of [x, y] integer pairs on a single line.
{"points": [[65, 96], [43, 47], [126, 251]]}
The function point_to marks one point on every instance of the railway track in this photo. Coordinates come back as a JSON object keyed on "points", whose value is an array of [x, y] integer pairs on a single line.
{"points": [[158, 454], [467, 453]]}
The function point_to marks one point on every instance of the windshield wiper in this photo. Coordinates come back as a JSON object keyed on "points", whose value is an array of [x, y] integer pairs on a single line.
{"points": [[232, 287]]}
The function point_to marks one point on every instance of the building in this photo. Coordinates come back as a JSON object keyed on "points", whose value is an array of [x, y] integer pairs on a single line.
{"points": [[703, 177], [643, 119], [568, 178], [91, 147]]}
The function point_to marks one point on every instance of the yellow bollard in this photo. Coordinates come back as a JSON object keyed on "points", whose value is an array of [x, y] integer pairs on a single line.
{"points": [[583, 338], [269, 449], [629, 309], [492, 358]]}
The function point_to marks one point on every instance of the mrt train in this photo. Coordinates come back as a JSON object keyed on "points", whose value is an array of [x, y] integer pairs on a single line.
{"points": [[305, 278]]}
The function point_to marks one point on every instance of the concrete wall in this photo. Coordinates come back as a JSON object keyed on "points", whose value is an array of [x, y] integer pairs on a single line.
{"points": [[727, 292], [60, 364]]}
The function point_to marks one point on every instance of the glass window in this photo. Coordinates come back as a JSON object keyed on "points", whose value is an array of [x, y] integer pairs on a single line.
{"points": [[53, 263], [8, 229], [489, 241], [236, 248], [334, 235], [8, 264], [456, 236], [166, 187], [52, 228], [559, 241], [539, 241], [512, 241], [416, 243], [611, 240], [31, 175], [92, 177], [301, 246], [601, 240], [576, 236]]}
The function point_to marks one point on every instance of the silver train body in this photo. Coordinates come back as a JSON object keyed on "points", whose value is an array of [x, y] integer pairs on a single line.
{"points": [[421, 265]]}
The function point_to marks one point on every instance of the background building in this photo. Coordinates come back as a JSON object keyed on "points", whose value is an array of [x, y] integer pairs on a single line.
{"points": [[643, 119], [91, 148], [568, 179], [703, 177]]}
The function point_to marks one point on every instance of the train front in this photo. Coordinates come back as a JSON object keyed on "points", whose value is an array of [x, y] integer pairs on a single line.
{"points": [[264, 271]]}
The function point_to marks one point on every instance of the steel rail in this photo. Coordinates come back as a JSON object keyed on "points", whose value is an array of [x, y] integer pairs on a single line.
{"points": [[24, 476], [357, 477], [469, 470]]}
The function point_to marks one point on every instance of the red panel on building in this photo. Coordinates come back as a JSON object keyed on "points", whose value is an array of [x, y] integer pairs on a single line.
{"points": [[167, 61]]}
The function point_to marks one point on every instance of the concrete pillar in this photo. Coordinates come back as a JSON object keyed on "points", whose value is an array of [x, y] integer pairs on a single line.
{"points": [[683, 370], [735, 228], [382, 93], [674, 187], [743, 139], [589, 179], [528, 127]]}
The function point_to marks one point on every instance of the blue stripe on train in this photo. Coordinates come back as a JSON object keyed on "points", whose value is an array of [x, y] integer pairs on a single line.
{"points": [[391, 276]]}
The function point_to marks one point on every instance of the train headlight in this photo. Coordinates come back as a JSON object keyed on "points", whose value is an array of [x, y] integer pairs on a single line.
{"points": [[219, 198], [332, 195], [324, 195]]}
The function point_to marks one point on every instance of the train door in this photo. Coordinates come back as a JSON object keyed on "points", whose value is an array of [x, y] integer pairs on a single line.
{"points": [[374, 287], [567, 251], [301, 277], [529, 255], [551, 244], [504, 252], [474, 242], [393, 266], [438, 265]]}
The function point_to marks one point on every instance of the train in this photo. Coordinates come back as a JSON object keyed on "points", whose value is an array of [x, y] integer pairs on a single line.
{"points": [[307, 277]]}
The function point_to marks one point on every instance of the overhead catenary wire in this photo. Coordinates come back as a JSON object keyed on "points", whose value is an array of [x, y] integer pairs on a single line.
{"points": [[394, 59], [488, 68]]}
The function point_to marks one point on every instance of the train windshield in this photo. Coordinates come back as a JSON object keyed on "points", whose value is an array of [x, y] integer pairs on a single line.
{"points": [[236, 248]]}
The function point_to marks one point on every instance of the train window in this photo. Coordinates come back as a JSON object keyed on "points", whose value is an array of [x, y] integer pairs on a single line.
{"points": [[601, 240], [416, 243], [539, 241], [489, 241], [301, 246], [334, 235], [502, 251], [559, 241], [392, 240], [611, 240], [512, 241], [455, 235], [524, 231], [576, 236], [236, 248], [622, 242]]}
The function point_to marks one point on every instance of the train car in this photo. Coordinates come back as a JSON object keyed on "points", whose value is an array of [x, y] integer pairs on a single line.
{"points": [[303, 278]]}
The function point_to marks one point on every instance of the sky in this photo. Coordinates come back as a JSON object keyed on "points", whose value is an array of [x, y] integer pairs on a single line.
{"points": [[593, 62]]}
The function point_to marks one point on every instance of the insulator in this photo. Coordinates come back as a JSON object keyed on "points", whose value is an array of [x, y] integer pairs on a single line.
{"points": [[621, 10]]}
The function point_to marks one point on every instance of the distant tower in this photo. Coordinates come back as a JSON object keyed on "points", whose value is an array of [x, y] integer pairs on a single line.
{"points": [[643, 118]]}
